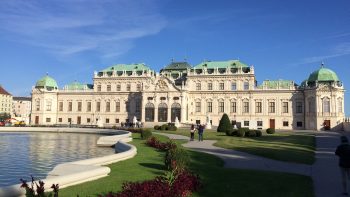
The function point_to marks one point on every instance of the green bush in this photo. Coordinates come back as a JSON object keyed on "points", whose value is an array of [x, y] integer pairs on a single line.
{"points": [[270, 131], [224, 124], [172, 128], [240, 132], [258, 133], [145, 134], [176, 157], [164, 127], [156, 127], [250, 133]]}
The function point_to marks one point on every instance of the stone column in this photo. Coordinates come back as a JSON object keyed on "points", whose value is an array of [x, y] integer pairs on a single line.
{"points": [[169, 110], [155, 109], [143, 104], [183, 110]]}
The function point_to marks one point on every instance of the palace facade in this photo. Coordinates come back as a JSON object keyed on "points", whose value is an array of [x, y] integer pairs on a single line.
{"points": [[189, 94]]}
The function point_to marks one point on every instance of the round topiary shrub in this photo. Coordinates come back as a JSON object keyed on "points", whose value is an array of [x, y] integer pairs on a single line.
{"points": [[229, 133], [164, 127], [145, 134], [224, 124], [156, 127], [270, 131], [258, 133]]}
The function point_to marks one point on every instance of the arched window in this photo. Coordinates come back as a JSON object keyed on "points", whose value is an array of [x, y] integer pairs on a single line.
{"points": [[48, 105], [149, 112], [162, 112], [175, 112]]}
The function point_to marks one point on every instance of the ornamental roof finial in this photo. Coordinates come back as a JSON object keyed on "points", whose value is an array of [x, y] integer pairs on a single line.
{"points": [[322, 64]]}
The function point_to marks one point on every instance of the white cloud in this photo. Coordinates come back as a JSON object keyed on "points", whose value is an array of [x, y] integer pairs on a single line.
{"points": [[69, 27]]}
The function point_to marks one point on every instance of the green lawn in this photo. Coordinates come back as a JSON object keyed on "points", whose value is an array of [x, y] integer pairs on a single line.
{"points": [[217, 181], [284, 146]]}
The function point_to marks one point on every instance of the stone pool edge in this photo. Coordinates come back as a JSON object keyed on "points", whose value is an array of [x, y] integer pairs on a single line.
{"points": [[76, 172]]}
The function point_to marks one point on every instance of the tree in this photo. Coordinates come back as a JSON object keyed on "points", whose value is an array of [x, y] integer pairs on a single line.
{"points": [[224, 124]]}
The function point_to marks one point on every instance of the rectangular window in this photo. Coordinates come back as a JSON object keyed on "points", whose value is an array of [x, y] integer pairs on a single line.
{"points": [[246, 123], [88, 120], [48, 105], [128, 87], [70, 106], [259, 123], [246, 85], [70, 120], [326, 106], [79, 106], [98, 106], [117, 120], [108, 106], [109, 88], [88, 107], [285, 123], [299, 107], [340, 106], [245, 107], [138, 87], [59, 119], [60, 106], [271, 107], [258, 107], [221, 106], [233, 86], [285, 107], [118, 87], [48, 119], [233, 107], [198, 106], [117, 106], [299, 124], [210, 107], [98, 88], [210, 86], [198, 86], [107, 120], [221, 86]]}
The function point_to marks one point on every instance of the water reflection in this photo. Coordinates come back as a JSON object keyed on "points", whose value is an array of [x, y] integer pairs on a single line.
{"points": [[25, 154]]}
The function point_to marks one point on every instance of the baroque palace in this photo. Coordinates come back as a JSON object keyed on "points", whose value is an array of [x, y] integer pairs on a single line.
{"points": [[199, 94]]}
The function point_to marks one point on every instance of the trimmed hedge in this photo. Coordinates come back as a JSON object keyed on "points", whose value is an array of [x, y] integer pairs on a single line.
{"points": [[156, 127], [270, 131], [164, 127], [244, 132], [172, 128]]}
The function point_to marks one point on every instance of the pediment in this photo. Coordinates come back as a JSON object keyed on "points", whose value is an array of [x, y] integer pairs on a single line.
{"points": [[160, 84]]}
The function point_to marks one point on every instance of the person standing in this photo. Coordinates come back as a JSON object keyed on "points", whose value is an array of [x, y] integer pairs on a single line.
{"points": [[200, 132], [343, 152], [192, 132]]}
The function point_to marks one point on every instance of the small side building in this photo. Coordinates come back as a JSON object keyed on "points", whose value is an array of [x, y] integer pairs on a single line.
{"points": [[21, 108], [5, 103]]}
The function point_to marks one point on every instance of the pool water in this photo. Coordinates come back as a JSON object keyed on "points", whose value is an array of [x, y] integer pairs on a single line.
{"points": [[24, 154]]}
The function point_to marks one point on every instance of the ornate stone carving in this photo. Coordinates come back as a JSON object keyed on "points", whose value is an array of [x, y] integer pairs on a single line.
{"points": [[161, 85]]}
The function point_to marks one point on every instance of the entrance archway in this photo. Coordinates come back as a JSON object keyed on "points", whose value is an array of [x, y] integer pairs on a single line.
{"points": [[149, 112], [175, 112], [162, 112]]}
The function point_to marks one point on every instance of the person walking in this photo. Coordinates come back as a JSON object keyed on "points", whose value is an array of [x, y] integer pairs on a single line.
{"points": [[200, 132], [343, 152], [193, 129]]}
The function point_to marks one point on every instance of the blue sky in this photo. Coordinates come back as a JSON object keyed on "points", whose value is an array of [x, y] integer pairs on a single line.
{"points": [[70, 39]]}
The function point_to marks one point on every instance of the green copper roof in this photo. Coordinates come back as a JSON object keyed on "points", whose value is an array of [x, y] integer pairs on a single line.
{"points": [[221, 64], [323, 75], [46, 82], [127, 67], [78, 86], [274, 84], [177, 66]]}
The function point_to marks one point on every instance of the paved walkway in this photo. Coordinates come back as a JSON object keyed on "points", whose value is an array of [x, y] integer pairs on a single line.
{"points": [[325, 172]]}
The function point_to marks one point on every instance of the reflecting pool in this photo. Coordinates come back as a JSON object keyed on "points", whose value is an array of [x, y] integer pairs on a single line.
{"points": [[35, 153]]}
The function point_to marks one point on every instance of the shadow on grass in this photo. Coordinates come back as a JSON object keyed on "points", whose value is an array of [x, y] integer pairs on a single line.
{"points": [[153, 166]]}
